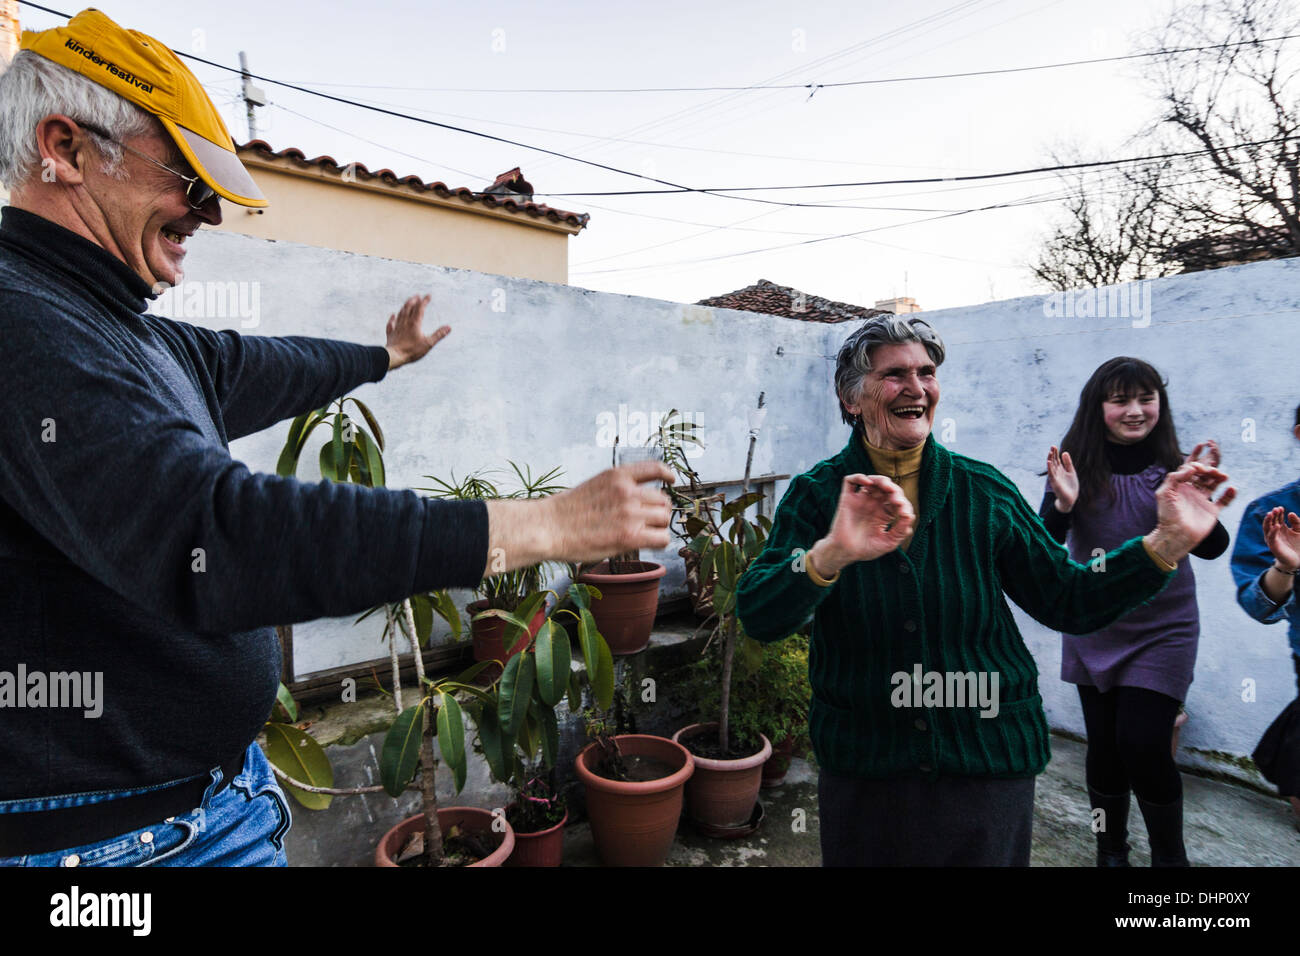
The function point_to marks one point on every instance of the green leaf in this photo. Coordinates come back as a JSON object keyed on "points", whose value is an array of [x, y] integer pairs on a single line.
{"points": [[725, 565], [446, 686], [285, 700], [327, 462], [370, 420], [467, 676], [423, 614], [706, 566], [694, 525], [530, 735], [298, 755], [581, 595], [550, 736], [751, 653], [451, 737], [525, 613], [515, 691], [700, 542], [313, 419], [337, 447], [739, 505], [599, 661], [554, 658], [287, 465], [722, 595], [494, 745], [445, 608], [765, 523], [374, 461], [401, 750]]}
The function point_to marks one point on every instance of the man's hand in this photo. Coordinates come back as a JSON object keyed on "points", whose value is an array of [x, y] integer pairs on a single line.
{"points": [[618, 510], [406, 339]]}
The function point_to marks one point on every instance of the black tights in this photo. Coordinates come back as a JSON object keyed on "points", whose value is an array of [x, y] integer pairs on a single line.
{"points": [[1130, 734]]}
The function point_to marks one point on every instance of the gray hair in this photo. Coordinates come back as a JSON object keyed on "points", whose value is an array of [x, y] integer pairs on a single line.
{"points": [[854, 359], [33, 88]]}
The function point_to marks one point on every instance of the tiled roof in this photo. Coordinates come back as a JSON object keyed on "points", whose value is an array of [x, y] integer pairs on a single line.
{"points": [[772, 299], [536, 210]]}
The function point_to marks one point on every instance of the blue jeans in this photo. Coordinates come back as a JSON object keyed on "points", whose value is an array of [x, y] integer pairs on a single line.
{"points": [[243, 825]]}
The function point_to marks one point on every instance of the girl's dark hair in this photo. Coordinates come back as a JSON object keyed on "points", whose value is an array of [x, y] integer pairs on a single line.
{"points": [[1086, 439]]}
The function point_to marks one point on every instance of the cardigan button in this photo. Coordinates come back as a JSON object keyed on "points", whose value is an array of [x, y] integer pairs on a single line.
{"points": [[904, 569], [909, 626]]}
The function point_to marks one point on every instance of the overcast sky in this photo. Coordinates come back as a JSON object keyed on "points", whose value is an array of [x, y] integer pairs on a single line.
{"points": [[421, 57]]}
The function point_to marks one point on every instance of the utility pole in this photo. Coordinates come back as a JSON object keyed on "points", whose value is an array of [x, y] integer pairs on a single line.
{"points": [[253, 95]]}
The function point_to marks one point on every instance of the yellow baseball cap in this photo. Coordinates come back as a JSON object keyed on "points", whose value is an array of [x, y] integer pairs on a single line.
{"points": [[144, 71]]}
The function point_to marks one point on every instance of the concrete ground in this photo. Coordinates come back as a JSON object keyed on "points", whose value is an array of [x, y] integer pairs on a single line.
{"points": [[1224, 825]]}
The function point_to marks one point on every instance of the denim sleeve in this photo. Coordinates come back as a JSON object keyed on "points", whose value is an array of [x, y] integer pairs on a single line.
{"points": [[1251, 560]]}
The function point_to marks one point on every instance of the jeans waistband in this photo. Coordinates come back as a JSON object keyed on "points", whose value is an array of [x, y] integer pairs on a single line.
{"points": [[44, 831]]}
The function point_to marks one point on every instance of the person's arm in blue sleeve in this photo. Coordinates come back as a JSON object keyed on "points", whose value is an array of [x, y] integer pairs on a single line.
{"points": [[1251, 560]]}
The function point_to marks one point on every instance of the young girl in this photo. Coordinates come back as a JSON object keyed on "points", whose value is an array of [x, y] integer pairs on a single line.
{"points": [[1133, 676]]}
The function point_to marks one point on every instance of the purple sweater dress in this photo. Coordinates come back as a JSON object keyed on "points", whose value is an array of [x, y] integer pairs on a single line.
{"points": [[1154, 645]]}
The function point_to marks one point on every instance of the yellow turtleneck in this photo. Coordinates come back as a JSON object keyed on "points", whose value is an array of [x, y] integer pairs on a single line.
{"points": [[903, 468]]}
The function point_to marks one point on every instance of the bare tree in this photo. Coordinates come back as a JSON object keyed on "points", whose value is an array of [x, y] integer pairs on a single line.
{"points": [[1112, 231], [1234, 108]]}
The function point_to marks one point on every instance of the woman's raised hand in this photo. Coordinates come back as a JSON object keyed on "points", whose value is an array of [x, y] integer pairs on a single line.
{"points": [[1186, 510], [873, 518], [1064, 479], [1282, 535]]}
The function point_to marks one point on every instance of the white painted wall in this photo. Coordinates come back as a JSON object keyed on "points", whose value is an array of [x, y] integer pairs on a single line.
{"points": [[530, 381]]}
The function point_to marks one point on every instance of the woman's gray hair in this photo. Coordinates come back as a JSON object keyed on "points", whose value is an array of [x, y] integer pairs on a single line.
{"points": [[33, 88], [854, 359]]}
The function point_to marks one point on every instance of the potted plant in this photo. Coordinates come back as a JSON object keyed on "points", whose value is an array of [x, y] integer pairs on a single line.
{"points": [[518, 730], [629, 587], [434, 837], [770, 695], [722, 797], [634, 787], [501, 594]]}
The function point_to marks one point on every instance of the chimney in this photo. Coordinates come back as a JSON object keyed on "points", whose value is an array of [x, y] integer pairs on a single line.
{"points": [[511, 184], [10, 32], [903, 305]]}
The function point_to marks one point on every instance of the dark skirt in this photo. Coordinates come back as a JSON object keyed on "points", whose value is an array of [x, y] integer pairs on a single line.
{"points": [[1278, 753], [909, 821]]}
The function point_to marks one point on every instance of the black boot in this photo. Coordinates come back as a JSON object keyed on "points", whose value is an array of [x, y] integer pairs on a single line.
{"points": [[1165, 828], [1112, 827]]}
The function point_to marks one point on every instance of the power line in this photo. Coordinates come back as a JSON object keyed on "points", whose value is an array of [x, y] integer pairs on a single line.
{"points": [[821, 86], [723, 190]]}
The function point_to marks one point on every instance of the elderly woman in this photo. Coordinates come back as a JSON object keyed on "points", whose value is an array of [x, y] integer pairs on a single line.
{"points": [[926, 718]]}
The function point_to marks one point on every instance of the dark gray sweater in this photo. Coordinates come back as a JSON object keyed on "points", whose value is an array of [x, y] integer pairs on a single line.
{"points": [[115, 468]]}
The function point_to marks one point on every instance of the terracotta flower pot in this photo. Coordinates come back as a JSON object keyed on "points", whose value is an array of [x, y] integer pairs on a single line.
{"points": [[634, 823], [625, 613], [778, 764], [489, 636], [722, 793], [543, 848], [480, 822]]}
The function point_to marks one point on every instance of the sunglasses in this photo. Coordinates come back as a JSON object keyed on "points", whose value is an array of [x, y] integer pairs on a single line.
{"points": [[197, 193]]}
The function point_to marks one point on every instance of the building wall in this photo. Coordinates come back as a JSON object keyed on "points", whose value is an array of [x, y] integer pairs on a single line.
{"points": [[318, 209], [531, 367]]}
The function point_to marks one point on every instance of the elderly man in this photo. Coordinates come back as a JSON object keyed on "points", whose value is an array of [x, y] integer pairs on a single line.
{"points": [[926, 718], [115, 426]]}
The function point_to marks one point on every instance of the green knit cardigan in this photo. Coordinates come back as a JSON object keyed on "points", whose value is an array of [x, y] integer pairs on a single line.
{"points": [[938, 607]]}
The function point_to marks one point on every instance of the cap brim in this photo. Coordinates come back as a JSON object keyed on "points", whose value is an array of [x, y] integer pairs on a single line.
{"points": [[219, 168]]}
